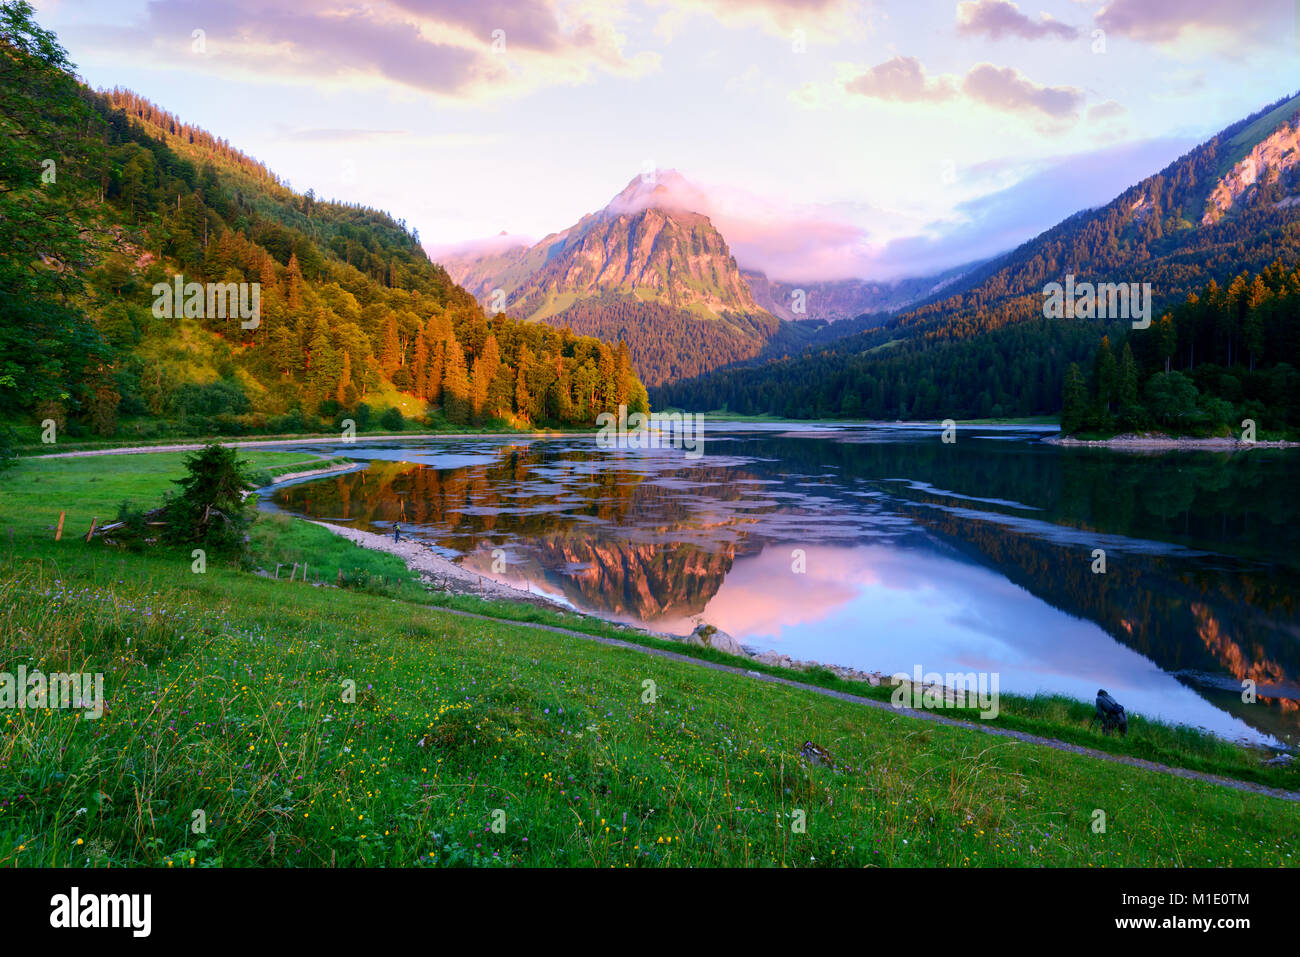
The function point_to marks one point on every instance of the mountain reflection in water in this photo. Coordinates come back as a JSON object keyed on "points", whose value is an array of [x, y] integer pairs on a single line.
{"points": [[883, 548]]}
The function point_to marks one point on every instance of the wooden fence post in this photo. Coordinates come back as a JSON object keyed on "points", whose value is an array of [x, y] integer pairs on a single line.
{"points": [[93, 522], [58, 532]]}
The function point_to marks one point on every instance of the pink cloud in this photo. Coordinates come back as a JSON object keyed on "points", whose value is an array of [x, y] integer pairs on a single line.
{"points": [[1169, 21], [391, 39], [1006, 88], [902, 79], [999, 18]]}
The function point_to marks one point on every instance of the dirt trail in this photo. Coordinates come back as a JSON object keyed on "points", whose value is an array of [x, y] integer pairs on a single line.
{"points": [[319, 440]]}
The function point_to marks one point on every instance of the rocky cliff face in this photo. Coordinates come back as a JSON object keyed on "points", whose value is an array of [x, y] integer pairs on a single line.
{"points": [[1274, 159], [673, 257], [646, 243]]}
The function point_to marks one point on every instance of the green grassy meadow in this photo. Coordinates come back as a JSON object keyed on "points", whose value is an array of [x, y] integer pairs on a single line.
{"points": [[368, 725]]}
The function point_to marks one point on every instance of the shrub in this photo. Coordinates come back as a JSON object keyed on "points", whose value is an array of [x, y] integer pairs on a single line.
{"points": [[215, 398], [132, 532], [1171, 397]]}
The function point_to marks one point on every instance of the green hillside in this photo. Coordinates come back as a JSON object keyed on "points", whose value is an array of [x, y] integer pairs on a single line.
{"points": [[105, 198]]}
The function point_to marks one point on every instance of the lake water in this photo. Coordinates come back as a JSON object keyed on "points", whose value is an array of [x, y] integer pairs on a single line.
{"points": [[884, 548]]}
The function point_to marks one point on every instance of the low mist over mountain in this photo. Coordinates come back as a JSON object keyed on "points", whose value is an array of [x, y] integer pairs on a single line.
{"points": [[838, 299]]}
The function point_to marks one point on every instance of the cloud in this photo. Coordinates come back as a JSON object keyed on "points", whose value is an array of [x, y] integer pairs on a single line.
{"points": [[824, 21], [473, 249], [530, 24], [1213, 23], [902, 79], [1106, 111], [998, 18], [446, 48], [1005, 88]]}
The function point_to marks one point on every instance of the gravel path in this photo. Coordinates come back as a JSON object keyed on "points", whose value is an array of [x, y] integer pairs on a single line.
{"points": [[327, 440]]}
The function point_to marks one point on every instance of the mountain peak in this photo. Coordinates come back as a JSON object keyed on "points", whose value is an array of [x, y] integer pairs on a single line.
{"points": [[664, 189]]}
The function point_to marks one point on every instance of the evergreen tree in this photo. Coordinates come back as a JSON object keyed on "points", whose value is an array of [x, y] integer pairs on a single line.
{"points": [[485, 369], [1074, 401], [390, 354], [455, 385], [1105, 372], [419, 368], [210, 508]]}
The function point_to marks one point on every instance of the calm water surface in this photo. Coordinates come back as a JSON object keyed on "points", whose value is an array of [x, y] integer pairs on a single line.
{"points": [[972, 556]]}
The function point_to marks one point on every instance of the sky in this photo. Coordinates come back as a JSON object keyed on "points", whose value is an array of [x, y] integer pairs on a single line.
{"points": [[834, 139]]}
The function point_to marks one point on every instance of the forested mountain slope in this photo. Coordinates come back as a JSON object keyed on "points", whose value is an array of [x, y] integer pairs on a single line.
{"points": [[1231, 205], [105, 198]]}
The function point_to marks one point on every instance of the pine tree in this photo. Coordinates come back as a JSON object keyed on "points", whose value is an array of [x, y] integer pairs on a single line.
{"points": [[455, 385], [485, 369], [1105, 372], [345, 379], [1127, 384], [433, 377], [522, 398], [390, 353], [1166, 339], [419, 368], [1074, 401], [293, 278]]}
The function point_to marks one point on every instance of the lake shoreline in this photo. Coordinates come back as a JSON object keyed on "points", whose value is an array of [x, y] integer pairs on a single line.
{"points": [[313, 473], [452, 578], [440, 564], [309, 440], [435, 570], [1159, 442], [446, 575]]}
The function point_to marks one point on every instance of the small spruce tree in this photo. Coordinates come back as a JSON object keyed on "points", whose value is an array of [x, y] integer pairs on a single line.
{"points": [[210, 508]]}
